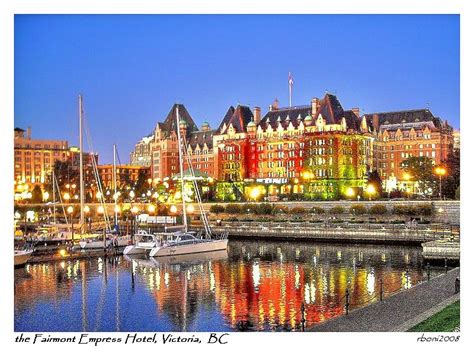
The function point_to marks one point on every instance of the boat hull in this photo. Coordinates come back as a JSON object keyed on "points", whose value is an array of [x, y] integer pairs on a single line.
{"points": [[134, 250], [186, 249], [21, 257], [99, 244]]}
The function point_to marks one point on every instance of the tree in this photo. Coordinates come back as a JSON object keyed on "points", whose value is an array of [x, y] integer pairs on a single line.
{"points": [[421, 170], [141, 185], [66, 173], [373, 178], [36, 195], [452, 181]]}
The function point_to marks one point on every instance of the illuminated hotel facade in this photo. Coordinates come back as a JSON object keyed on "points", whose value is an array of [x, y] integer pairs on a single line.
{"points": [[318, 149], [404, 134], [35, 158]]}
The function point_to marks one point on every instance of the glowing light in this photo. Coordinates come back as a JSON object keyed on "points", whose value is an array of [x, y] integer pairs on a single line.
{"points": [[151, 208], [45, 196], [132, 194], [440, 171], [100, 209], [70, 209], [98, 195], [135, 209], [63, 252], [67, 196], [255, 193], [117, 209], [350, 192], [256, 275], [190, 208], [87, 209], [173, 209]]}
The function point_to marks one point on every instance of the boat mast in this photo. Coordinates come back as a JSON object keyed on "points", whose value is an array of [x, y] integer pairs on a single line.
{"points": [[54, 198], [180, 144], [114, 177], [81, 168]]}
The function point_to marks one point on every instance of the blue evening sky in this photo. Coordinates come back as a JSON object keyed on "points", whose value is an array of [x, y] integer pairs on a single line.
{"points": [[132, 68]]}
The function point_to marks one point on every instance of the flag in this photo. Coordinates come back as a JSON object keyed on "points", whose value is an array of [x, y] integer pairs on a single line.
{"points": [[290, 79]]}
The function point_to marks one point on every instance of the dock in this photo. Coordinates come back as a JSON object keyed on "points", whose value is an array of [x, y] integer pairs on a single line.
{"points": [[442, 249], [400, 311]]}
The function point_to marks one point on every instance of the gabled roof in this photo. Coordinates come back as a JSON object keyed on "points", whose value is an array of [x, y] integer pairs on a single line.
{"points": [[169, 125], [201, 138], [239, 118], [329, 107], [284, 116]]}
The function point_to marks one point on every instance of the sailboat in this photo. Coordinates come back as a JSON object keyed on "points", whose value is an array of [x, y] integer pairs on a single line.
{"points": [[180, 242], [110, 239]]}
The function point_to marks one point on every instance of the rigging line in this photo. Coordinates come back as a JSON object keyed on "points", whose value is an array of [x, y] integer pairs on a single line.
{"points": [[198, 194], [61, 200], [96, 173]]}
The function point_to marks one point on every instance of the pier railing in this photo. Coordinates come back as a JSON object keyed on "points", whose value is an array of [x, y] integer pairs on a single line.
{"points": [[344, 231]]}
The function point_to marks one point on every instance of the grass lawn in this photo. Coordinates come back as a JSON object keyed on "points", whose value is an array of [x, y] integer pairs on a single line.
{"points": [[444, 321]]}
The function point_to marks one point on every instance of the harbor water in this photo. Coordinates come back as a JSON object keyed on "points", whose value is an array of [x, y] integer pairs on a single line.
{"points": [[255, 285]]}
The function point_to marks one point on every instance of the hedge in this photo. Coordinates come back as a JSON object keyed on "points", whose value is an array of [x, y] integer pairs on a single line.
{"points": [[378, 209]]}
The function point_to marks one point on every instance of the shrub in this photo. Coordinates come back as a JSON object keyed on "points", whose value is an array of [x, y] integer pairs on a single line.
{"points": [[337, 210], [401, 210], [217, 209], [378, 209], [298, 210], [233, 209], [264, 209], [318, 210], [280, 209], [425, 210], [358, 209]]}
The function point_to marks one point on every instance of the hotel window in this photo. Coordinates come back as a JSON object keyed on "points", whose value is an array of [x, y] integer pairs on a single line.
{"points": [[433, 154]]}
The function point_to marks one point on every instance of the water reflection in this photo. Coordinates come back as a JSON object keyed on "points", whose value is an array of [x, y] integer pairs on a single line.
{"points": [[256, 286]]}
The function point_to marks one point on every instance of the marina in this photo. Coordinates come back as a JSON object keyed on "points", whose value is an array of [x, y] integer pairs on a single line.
{"points": [[254, 286]]}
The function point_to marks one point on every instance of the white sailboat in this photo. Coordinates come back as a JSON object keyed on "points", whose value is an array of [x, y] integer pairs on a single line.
{"points": [[180, 242], [22, 256]]}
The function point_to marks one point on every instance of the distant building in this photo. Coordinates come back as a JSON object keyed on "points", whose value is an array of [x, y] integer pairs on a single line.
{"points": [[126, 175], [34, 158], [404, 134], [457, 139], [164, 147], [141, 156]]}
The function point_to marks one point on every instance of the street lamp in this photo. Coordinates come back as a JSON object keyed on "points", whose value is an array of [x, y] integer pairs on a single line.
{"points": [[255, 193], [371, 191], [350, 193], [440, 171]]}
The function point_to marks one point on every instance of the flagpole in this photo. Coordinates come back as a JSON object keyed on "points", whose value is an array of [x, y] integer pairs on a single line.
{"points": [[290, 86]]}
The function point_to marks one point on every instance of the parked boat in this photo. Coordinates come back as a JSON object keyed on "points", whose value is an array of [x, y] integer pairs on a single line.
{"points": [[181, 242], [97, 241], [22, 256]]}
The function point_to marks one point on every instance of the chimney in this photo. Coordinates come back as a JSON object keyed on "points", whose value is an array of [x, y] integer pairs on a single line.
{"points": [[314, 106], [274, 106], [256, 114], [28, 132], [356, 111], [375, 121]]}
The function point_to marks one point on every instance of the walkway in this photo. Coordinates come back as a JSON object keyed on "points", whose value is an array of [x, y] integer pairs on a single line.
{"points": [[395, 311]]}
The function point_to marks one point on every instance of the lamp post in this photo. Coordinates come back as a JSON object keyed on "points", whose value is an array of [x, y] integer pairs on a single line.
{"points": [[440, 171]]}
